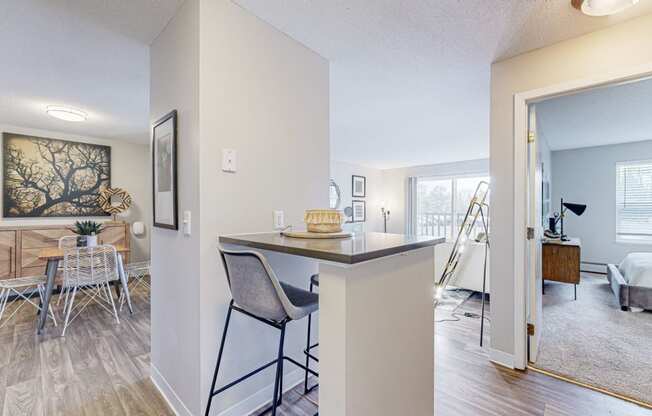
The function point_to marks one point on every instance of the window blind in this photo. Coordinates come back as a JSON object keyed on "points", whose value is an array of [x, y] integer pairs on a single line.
{"points": [[634, 200]]}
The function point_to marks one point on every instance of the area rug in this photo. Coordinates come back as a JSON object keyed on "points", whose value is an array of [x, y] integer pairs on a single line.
{"points": [[592, 341]]}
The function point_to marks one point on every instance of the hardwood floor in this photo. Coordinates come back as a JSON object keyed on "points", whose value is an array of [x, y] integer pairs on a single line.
{"points": [[468, 384], [99, 368]]}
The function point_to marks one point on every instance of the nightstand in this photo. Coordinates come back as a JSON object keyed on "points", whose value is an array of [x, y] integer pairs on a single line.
{"points": [[561, 261]]}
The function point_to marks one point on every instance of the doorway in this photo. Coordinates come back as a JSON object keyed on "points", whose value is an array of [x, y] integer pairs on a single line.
{"points": [[591, 193]]}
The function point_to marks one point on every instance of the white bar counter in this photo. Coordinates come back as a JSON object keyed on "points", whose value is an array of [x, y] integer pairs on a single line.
{"points": [[376, 330]]}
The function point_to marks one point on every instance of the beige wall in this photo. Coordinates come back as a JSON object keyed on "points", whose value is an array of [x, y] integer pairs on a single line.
{"points": [[266, 96], [174, 84], [130, 169], [597, 54], [238, 84]]}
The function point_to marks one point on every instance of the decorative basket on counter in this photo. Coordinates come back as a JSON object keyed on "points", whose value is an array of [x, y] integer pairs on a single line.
{"points": [[324, 220]]}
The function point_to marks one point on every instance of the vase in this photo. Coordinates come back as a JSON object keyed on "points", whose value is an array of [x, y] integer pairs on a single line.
{"points": [[91, 240]]}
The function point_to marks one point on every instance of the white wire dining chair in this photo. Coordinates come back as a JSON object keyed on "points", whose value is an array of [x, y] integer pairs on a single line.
{"points": [[137, 273], [68, 242], [89, 270], [22, 288]]}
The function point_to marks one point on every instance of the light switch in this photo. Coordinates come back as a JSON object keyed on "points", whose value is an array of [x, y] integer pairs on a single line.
{"points": [[279, 220], [228, 160], [186, 222]]}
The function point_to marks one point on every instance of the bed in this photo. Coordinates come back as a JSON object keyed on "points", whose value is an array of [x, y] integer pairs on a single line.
{"points": [[631, 281]]}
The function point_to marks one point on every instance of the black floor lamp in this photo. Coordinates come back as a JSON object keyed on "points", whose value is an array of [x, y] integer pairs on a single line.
{"points": [[385, 213]]}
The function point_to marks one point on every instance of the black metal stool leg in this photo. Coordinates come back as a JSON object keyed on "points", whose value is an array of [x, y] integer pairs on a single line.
{"points": [[279, 372], [219, 359], [305, 382], [280, 378]]}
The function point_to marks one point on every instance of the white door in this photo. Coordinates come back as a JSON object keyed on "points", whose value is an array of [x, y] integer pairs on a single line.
{"points": [[535, 282]]}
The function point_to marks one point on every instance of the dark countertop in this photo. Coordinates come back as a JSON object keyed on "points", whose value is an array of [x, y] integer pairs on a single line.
{"points": [[356, 249]]}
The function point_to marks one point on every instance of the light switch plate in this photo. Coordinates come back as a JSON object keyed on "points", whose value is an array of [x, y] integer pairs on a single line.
{"points": [[229, 160], [187, 223], [279, 220]]}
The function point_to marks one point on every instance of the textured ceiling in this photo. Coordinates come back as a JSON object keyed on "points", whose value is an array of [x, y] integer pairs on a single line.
{"points": [[616, 114], [90, 54], [410, 78]]}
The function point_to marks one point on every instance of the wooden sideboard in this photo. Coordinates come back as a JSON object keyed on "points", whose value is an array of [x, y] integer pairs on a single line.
{"points": [[21, 245]]}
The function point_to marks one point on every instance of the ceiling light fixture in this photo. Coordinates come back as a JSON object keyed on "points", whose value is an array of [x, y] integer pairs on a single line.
{"points": [[66, 113], [602, 7]]}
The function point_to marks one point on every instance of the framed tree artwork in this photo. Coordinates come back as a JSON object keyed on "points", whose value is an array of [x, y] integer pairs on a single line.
{"points": [[45, 177], [359, 211], [164, 171], [358, 186]]}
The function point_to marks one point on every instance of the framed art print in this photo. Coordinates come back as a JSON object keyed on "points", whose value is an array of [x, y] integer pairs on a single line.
{"points": [[45, 177], [359, 211], [358, 186], [164, 171]]}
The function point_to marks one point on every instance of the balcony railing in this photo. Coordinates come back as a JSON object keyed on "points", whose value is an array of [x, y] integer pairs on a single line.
{"points": [[441, 224]]}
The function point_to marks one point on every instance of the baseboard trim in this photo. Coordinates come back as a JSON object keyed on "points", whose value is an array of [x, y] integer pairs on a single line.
{"points": [[263, 396], [501, 358], [169, 395]]}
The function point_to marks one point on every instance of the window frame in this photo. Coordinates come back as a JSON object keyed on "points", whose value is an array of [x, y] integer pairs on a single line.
{"points": [[623, 238], [453, 178]]}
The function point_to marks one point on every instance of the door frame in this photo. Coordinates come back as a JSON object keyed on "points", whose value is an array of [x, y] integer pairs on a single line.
{"points": [[521, 214]]}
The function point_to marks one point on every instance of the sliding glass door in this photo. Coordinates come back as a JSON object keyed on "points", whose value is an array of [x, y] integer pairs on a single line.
{"points": [[441, 204]]}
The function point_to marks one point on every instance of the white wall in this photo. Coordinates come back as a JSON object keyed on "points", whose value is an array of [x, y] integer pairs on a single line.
{"points": [[266, 96], [621, 46], [174, 84], [130, 169], [395, 182], [341, 173], [588, 176]]}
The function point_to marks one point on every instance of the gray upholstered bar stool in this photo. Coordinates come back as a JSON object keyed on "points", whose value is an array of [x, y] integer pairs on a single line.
{"points": [[314, 282], [256, 292]]}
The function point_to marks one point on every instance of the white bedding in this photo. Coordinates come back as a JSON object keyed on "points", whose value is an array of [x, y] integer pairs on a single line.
{"points": [[636, 269]]}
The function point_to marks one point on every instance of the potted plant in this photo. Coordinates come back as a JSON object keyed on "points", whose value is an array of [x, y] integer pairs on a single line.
{"points": [[89, 230]]}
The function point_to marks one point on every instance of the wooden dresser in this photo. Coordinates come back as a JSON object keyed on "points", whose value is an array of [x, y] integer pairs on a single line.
{"points": [[561, 261], [21, 245]]}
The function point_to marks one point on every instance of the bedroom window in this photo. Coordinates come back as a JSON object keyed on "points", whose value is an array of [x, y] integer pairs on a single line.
{"points": [[634, 201], [441, 204]]}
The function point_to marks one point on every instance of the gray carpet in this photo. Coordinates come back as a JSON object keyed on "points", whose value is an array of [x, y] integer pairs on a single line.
{"points": [[591, 340]]}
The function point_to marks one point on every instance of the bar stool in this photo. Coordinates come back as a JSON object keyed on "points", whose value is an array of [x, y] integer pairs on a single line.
{"points": [[314, 282], [257, 293]]}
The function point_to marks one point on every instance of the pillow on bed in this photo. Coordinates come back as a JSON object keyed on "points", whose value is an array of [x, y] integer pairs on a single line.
{"points": [[636, 269]]}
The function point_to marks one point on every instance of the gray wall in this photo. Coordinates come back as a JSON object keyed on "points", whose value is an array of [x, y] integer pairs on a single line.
{"points": [[266, 96], [544, 158], [588, 176], [341, 173], [596, 54], [175, 258], [238, 84]]}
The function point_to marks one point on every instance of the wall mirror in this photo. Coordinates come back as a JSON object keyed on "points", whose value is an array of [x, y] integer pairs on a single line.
{"points": [[334, 195]]}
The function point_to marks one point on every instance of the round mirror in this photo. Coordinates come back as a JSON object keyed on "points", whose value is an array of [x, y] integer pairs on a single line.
{"points": [[334, 195]]}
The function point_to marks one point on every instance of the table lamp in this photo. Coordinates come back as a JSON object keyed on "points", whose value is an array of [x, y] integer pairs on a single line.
{"points": [[577, 209]]}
